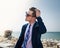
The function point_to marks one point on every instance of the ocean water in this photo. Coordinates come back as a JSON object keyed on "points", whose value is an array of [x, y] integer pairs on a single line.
{"points": [[48, 35], [51, 35]]}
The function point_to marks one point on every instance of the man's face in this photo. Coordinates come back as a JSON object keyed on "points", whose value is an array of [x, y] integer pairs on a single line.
{"points": [[29, 16]]}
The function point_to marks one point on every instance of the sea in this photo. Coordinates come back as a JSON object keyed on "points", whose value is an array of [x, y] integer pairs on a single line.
{"points": [[47, 35]]}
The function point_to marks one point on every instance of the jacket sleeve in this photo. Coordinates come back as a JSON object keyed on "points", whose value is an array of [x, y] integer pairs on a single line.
{"points": [[42, 27], [20, 40]]}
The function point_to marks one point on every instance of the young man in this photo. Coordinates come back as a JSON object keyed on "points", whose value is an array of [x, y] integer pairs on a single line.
{"points": [[31, 32]]}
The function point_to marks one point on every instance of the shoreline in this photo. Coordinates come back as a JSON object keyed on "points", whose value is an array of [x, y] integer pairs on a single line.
{"points": [[11, 43]]}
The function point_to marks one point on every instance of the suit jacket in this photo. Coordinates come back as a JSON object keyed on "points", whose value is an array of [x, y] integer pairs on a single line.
{"points": [[38, 29]]}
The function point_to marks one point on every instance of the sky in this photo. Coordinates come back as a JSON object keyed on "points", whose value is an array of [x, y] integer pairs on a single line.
{"points": [[12, 13]]}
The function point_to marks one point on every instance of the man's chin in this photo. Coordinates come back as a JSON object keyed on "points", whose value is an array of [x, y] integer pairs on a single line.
{"points": [[26, 20]]}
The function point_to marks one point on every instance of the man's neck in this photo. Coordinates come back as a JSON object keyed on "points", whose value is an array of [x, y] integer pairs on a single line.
{"points": [[32, 22]]}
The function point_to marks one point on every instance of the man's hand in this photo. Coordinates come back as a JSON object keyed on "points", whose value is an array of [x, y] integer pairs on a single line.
{"points": [[38, 13]]}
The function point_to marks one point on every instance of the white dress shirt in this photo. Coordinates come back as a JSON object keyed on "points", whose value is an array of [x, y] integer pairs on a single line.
{"points": [[29, 43]]}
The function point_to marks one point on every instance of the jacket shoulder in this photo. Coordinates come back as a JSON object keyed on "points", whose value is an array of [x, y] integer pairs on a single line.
{"points": [[25, 25]]}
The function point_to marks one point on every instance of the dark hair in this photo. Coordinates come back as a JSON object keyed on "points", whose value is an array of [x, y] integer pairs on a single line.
{"points": [[34, 11]]}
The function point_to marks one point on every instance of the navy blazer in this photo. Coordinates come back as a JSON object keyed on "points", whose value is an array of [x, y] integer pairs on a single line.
{"points": [[38, 29]]}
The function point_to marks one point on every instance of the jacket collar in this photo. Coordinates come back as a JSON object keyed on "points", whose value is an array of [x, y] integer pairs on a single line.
{"points": [[36, 24]]}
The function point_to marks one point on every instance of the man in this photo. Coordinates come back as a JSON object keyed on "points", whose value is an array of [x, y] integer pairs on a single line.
{"points": [[31, 32]]}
